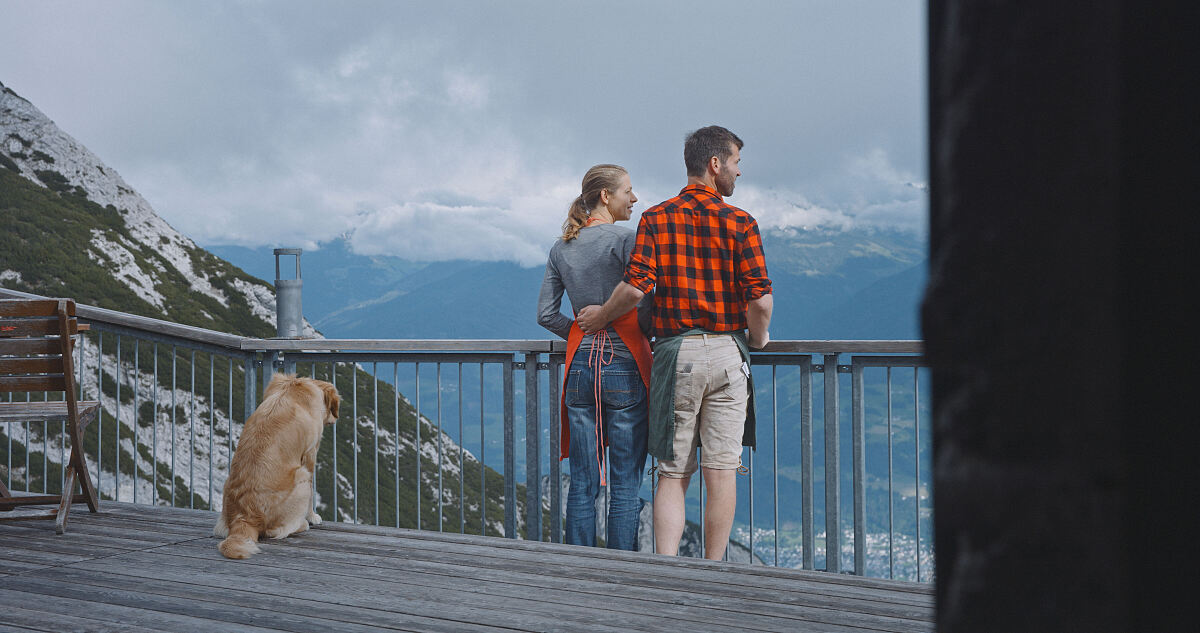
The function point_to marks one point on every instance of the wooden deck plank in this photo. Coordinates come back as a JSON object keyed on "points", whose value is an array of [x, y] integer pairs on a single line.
{"points": [[31, 620], [565, 559], [158, 568], [186, 583], [800, 593], [55, 605], [402, 597], [496, 595], [607, 588], [484, 548]]}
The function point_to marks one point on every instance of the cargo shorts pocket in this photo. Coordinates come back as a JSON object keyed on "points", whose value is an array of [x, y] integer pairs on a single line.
{"points": [[736, 385]]}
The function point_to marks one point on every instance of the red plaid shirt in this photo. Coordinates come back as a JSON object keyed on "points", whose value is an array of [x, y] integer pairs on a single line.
{"points": [[704, 260]]}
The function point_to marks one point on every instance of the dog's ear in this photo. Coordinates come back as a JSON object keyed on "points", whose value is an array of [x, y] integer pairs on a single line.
{"points": [[332, 399]]}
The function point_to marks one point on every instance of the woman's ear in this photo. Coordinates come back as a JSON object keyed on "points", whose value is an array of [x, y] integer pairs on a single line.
{"points": [[604, 196]]}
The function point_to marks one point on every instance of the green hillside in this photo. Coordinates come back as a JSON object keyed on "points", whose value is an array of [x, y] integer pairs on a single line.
{"points": [[46, 237]]}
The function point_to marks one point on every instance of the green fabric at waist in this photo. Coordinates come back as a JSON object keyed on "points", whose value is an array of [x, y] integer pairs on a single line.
{"points": [[662, 392]]}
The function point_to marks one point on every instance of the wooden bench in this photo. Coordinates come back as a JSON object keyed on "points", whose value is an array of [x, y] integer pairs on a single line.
{"points": [[36, 343]]}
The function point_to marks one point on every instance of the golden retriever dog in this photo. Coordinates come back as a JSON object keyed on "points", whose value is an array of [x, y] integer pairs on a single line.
{"points": [[269, 490]]}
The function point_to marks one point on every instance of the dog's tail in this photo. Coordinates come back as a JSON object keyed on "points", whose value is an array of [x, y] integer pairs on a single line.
{"points": [[242, 541]]}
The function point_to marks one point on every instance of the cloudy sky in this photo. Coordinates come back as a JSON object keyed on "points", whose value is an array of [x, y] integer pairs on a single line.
{"points": [[462, 129]]}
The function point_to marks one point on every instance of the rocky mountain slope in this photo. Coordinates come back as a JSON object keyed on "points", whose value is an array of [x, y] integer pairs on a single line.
{"points": [[70, 220], [73, 227]]}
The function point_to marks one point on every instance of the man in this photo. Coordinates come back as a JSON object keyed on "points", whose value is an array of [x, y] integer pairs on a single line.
{"points": [[704, 260]]}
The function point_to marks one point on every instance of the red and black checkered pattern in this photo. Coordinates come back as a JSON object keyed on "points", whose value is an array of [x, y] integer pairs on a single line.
{"points": [[704, 260]]}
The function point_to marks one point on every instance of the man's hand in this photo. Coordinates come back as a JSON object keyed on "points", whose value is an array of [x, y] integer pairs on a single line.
{"points": [[591, 319], [758, 345]]}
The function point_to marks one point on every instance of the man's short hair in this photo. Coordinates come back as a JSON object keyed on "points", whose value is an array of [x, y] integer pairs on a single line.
{"points": [[705, 143]]}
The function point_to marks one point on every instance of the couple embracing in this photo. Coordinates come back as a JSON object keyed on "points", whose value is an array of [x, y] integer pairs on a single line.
{"points": [[694, 279]]}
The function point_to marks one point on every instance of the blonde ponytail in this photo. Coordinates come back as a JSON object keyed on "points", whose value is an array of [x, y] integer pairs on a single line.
{"points": [[597, 179]]}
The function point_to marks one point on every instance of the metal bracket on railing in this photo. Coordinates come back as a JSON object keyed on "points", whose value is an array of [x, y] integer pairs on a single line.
{"points": [[543, 366], [518, 365]]}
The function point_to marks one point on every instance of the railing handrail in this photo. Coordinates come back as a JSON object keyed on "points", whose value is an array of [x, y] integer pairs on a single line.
{"points": [[237, 343]]}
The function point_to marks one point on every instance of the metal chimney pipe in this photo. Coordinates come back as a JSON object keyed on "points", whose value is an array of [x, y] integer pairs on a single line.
{"points": [[289, 317]]}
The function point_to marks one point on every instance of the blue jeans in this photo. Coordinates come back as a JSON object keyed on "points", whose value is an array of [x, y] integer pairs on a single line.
{"points": [[623, 406]]}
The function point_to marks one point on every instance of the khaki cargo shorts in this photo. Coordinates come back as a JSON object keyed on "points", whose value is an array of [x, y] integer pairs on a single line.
{"points": [[711, 394]]}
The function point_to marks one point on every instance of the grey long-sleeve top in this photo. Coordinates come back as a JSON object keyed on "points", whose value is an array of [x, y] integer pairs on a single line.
{"points": [[587, 268]]}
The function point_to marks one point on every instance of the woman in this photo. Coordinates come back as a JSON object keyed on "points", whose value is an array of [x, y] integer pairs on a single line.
{"points": [[608, 373]]}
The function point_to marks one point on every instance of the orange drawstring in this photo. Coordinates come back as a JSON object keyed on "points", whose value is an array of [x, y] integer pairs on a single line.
{"points": [[596, 360]]}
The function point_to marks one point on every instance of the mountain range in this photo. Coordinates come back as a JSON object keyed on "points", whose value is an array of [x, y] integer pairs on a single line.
{"points": [[828, 285]]}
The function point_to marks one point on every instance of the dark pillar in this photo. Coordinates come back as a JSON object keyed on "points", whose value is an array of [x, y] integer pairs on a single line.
{"points": [[1064, 169]]}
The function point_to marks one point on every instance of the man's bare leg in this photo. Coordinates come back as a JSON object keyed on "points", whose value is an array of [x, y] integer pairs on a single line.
{"points": [[669, 514], [721, 488]]}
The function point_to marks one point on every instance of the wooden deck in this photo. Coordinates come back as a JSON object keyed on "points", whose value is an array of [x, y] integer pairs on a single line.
{"points": [[139, 568]]}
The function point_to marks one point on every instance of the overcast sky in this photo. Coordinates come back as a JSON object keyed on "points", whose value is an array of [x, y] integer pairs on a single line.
{"points": [[462, 129]]}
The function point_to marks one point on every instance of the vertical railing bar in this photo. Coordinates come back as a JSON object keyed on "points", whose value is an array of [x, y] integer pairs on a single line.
{"points": [[917, 460], [375, 455], [312, 502], [751, 477], [212, 420], [28, 468], [891, 525], [354, 431], [833, 467], [775, 458], [441, 489], [510, 482], [229, 431], [483, 460], [417, 445], [191, 436], [700, 487], [808, 471], [45, 456], [8, 434], [99, 414], [462, 465], [860, 469], [137, 373], [533, 452], [174, 385], [337, 508], [117, 448], [555, 452], [154, 430], [396, 447]]}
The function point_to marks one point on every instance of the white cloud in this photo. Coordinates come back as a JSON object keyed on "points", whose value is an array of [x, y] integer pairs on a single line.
{"points": [[462, 130]]}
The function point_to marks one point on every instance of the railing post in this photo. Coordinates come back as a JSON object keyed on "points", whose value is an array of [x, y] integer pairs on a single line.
{"points": [[555, 452], [510, 461], [860, 468], [833, 492], [807, 486], [533, 452], [252, 364]]}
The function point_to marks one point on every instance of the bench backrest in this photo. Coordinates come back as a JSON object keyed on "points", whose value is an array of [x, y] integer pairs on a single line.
{"points": [[36, 344]]}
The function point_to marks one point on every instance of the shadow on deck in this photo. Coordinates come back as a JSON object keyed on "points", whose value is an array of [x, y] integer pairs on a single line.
{"points": [[137, 568]]}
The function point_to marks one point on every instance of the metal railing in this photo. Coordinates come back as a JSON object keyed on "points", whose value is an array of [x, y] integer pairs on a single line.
{"points": [[431, 437]]}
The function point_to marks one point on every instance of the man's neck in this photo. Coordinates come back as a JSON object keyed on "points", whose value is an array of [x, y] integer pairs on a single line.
{"points": [[707, 180]]}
